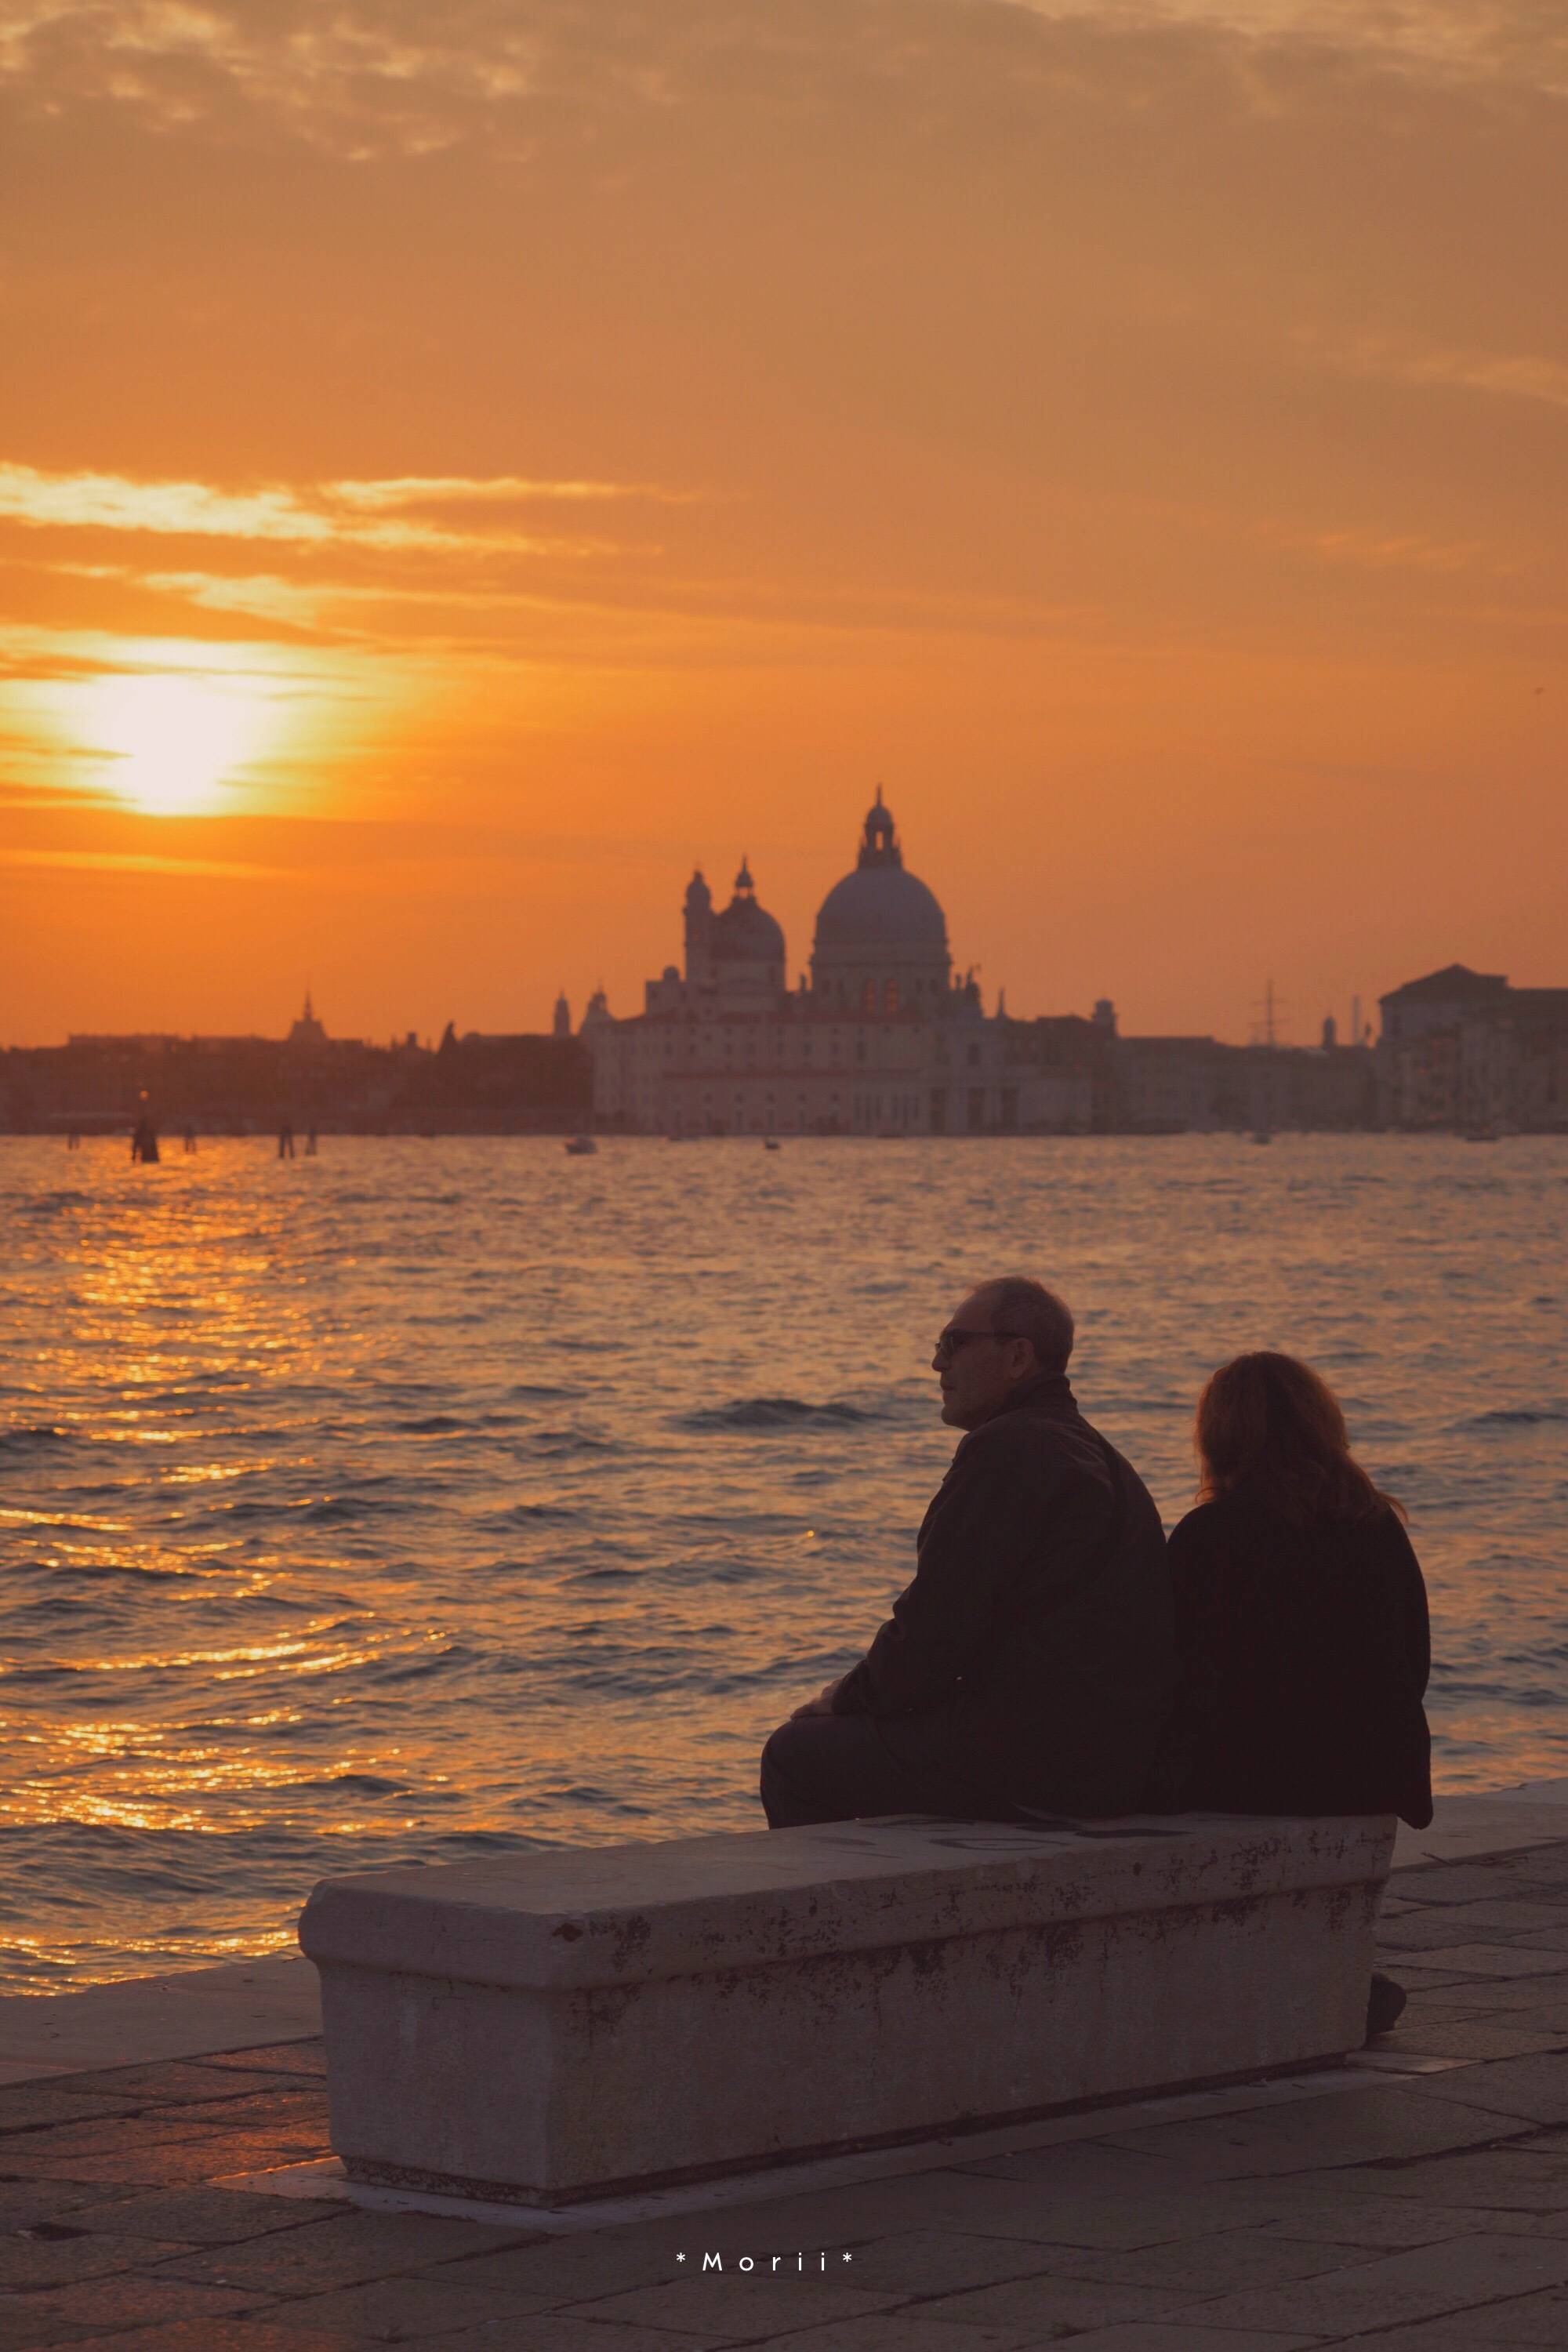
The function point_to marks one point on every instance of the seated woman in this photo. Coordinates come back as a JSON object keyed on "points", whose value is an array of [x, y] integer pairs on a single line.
{"points": [[1301, 1620]]}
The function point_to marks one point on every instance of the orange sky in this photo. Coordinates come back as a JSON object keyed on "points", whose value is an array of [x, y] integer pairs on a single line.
{"points": [[461, 466]]}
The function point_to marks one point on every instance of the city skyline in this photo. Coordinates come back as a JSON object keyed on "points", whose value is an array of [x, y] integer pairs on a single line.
{"points": [[1272, 1016], [455, 474], [540, 998]]}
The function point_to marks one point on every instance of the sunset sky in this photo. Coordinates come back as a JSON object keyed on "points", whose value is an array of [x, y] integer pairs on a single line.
{"points": [[461, 464]]}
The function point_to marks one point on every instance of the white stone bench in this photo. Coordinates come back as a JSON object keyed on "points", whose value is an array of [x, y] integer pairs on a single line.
{"points": [[552, 2026]]}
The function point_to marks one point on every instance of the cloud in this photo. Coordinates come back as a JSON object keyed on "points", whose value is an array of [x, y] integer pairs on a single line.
{"points": [[1512, 378], [107, 861], [1380, 551], [1521, 39], [373, 78], [330, 515], [498, 489]]}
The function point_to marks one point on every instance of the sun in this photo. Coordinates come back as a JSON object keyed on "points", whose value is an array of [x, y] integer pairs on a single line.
{"points": [[170, 742]]}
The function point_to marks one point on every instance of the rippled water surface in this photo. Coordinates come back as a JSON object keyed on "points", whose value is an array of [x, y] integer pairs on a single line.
{"points": [[426, 1499]]}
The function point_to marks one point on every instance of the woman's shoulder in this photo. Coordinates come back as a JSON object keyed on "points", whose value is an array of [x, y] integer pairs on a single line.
{"points": [[1207, 1526], [1219, 1513]]}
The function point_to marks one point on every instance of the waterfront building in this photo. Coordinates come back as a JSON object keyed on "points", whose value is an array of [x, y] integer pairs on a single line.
{"points": [[1462, 1049], [884, 1037], [881, 1038]]}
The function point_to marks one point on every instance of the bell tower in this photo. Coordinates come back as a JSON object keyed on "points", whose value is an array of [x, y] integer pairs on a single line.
{"points": [[699, 932]]}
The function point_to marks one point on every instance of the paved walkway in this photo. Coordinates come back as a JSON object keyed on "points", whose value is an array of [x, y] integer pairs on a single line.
{"points": [[1418, 2200]]}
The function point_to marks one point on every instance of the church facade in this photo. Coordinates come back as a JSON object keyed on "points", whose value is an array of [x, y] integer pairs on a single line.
{"points": [[881, 1038]]}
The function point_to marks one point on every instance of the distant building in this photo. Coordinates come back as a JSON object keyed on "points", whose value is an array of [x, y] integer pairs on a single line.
{"points": [[883, 1036], [500, 1085], [1461, 1049], [306, 1034], [236, 1085], [882, 1039]]}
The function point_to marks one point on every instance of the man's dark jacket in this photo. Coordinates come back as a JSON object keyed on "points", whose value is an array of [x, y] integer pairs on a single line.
{"points": [[1036, 1645]]}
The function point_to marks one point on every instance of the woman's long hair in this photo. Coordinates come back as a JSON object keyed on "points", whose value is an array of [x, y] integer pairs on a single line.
{"points": [[1269, 1423]]}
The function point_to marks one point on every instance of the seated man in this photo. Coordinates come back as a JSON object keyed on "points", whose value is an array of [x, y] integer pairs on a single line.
{"points": [[1030, 1665]]}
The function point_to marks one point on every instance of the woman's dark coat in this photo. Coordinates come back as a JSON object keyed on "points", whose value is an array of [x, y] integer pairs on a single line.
{"points": [[1305, 1654]]}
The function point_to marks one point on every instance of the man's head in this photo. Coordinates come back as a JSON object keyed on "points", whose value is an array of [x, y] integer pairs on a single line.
{"points": [[1004, 1335]]}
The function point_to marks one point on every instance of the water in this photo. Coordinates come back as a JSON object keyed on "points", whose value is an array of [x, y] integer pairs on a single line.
{"points": [[430, 1500]]}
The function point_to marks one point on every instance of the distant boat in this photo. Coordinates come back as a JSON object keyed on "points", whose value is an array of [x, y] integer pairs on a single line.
{"points": [[770, 1143], [1485, 1132], [579, 1146]]}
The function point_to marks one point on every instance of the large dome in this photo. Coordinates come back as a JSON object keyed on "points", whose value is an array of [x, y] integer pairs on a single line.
{"points": [[880, 906]]}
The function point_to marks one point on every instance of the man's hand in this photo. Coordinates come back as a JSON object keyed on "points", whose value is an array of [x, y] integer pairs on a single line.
{"points": [[822, 1704]]}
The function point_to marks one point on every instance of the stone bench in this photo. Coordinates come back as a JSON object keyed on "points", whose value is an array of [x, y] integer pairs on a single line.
{"points": [[552, 2026]]}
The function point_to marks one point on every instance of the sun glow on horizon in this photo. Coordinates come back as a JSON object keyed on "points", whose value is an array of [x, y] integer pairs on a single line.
{"points": [[170, 744]]}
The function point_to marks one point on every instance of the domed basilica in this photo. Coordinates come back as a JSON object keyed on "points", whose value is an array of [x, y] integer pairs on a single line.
{"points": [[881, 1040]]}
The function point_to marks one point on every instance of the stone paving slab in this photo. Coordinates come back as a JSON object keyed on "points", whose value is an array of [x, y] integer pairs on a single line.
{"points": [[1142, 2337], [901, 2331], [1225, 2263], [1476, 2331], [943, 2262], [279, 2057], [1427, 1926], [1426, 2282], [244, 2004], [1344, 2217], [248, 2335], [1361, 2130], [1474, 2037], [1531, 2319], [568, 2270], [25, 2203], [1534, 2087], [202, 2216], [560, 2332], [171, 2083], [144, 2302], [390, 2309], [29, 2259], [342, 2251], [1051, 2306], [1510, 1959]]}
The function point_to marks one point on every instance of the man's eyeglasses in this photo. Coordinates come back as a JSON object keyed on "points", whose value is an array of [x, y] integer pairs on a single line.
{"points": [[949, 1342]]}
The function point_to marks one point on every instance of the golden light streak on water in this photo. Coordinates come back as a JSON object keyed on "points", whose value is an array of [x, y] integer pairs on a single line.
{"points": [[65, 1520]]}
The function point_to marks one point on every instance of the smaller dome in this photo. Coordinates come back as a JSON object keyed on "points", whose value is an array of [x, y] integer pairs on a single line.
{"points": [[744, 932]]}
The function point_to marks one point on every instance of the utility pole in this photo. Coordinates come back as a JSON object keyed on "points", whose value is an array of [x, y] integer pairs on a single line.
{"points": [[1265, 1021]]}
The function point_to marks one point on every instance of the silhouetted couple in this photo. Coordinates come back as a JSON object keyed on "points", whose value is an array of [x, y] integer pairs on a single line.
{"points": [[1052, 1655]]}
